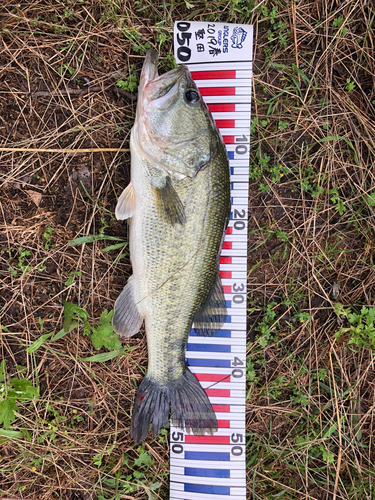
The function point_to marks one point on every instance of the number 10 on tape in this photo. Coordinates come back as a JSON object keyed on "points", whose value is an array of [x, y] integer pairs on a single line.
{"points": [[219, 57]]}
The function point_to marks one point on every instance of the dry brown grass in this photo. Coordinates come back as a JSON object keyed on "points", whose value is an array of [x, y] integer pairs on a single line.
{"points": [[310, 232]]}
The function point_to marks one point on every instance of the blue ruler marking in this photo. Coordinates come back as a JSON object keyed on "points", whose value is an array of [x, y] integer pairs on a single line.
{"points": [[194, 471], [208, 348], [207, 455], [200, 488], [208, 362], [220, 333]]}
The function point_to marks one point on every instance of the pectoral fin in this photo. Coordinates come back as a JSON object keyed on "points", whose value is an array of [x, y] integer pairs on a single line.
{"points": [[211, 316], [168, 202], [125, 207], [126, 318]]}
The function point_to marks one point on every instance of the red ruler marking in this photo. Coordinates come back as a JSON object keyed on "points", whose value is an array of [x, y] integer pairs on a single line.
{"points": [[225, 260], [223, 424], [218, 91], [208, 439], [221, 107], [225, 274], [210, 377], [210, 75], [218, 393], [229, 230], [228, 139], [221, 408], [228, 244], [227, 289], [225, 123]]}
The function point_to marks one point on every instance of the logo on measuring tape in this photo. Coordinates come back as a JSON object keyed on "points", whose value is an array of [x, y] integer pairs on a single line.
{"points": [[238, 37]]}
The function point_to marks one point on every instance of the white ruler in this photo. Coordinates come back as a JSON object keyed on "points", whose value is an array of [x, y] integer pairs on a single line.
{"points": [[219, 56]]}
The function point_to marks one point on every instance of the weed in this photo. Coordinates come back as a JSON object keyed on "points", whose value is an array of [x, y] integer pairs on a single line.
{"points": [[138, 477], [302, 317], [371, 199], [68, 13], [12, 392], [267, 325], [163, 436], [251, 375], [361, 331], [21, 260], [48, 237], [99, 237], [281, 235], [21, 265], [66, 68], [282, 126], [299, 398], [70, 46], [161, 38], [349, 85], [338, 22], [279, 31], [135, 38], [309, 182], [72, 275], [101, 332], [265, 168], [337, 201], [131, 82]]}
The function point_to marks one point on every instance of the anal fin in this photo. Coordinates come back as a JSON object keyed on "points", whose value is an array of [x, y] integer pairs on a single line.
{"points": [[126, 318], [212, 314]]}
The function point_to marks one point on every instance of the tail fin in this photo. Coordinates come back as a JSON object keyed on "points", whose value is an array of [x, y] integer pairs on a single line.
{"points": [[190, 407]]}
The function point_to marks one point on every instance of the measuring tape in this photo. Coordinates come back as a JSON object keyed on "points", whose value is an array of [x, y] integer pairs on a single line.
{"points": [[219, 57]]}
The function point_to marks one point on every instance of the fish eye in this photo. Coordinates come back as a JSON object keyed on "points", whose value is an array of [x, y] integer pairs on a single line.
{"points": [[192, 96]]}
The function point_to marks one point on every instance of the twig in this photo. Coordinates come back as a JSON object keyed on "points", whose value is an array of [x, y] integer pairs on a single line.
{"points": [[338, 428], [80, 92], [70, 151], [295, 35]]}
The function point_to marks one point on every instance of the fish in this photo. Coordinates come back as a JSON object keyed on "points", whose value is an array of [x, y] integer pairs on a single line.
{"points": [[178, 206]]}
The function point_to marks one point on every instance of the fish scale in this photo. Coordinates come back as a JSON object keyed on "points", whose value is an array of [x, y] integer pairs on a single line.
{"points": [[213, 467]]}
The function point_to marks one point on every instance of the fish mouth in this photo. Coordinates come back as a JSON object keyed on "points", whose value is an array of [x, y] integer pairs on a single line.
{"points": [[160, 90], [149, 68]]}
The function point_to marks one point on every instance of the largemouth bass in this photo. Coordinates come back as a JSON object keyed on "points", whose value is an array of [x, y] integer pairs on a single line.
{"points": [[178, 204]]}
